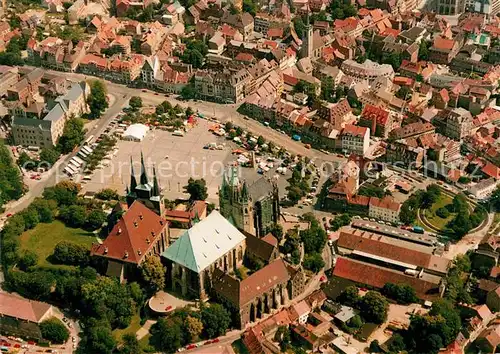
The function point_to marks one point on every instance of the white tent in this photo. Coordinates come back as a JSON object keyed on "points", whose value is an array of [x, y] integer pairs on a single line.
{"points": [[135, 132]]}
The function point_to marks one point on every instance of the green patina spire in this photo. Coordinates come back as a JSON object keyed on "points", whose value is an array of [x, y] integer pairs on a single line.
{"points": [[156, 186]]}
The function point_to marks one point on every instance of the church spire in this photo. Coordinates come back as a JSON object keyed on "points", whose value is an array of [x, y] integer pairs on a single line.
{"points": [[156, 186], [133, 181], [144, 176]]}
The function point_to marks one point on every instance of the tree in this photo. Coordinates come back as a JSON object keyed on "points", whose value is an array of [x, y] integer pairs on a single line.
{"points": [[314, 262], [442, 213], [27, 260], [402, 293], [24, 161], [153, 273], [397, 343], [107, 194], [495, 199], [375, 347], [215, 319], [130, 344], [166, 335], [277, 231], [98, 339], [46, 209], [74, 215], [250, 7], [299, 26], [97, 100], [95, 219], [64, 193], [374, 307], [31, 218], [188, 92], [11, 186], [423, 50], [349, 296], [49, 156], [135, 103], [189, 112], [282, 336], [54, 330], [404, 93], [197, 189], [194, 327], [67, 252], [72, 136]]}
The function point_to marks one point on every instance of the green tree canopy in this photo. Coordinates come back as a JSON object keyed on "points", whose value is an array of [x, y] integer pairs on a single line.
{"points": [[72, 136], [54, 330], [97, 101], [374, 307], [197, 189], [153, 273], [215, 319]]}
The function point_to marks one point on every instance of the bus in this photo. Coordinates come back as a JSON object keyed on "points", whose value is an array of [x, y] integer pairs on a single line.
{"points": [[82, 154], [71, 168], [89, 140], [68, 172], [75, 162], [79, 160], [74, 166], [87, 150]]}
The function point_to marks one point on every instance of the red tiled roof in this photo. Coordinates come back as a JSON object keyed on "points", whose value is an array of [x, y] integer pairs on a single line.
{"points": [[354, 130], [491, 170], [244, 57], [275, 32], [133, 235], [378, 114], [385, 203], [383, 249], [28, 310], [443, 43], [377, 277]]}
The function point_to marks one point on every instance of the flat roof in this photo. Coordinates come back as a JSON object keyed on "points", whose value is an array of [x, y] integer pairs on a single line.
{"points": [[391, 231]]}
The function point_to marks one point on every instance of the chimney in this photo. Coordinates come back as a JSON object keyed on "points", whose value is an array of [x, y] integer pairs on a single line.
{"points": [[147, 241], [141, 216], [105, 250], [161, 222], [135, 223], [153, 234], [126, 254], [139, 252], [119, 231]]}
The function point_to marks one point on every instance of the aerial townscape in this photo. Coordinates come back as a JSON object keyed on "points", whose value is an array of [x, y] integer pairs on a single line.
{"points": [[250, 176]]}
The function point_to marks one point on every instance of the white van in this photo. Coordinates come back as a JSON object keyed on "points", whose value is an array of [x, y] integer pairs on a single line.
{"points": [[178, 133]]}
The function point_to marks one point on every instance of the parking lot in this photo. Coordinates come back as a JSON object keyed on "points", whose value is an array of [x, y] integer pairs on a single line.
{"points": [[176, 158]]}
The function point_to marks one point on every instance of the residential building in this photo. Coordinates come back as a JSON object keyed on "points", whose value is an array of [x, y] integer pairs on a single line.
{"points": [[483, 189], [377, 119], [355, 139], [493, 300], [46, 132], [369, 70], [443, 50], [222, 86], [385, 209], [455, 124]]}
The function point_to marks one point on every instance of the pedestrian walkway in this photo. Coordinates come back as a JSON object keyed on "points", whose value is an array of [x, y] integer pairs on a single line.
{"points": [[144, 330]]}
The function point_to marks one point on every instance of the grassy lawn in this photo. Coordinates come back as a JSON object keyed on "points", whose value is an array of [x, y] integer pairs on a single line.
{"points": [[435, 220], [134, 326], [44, 237]]}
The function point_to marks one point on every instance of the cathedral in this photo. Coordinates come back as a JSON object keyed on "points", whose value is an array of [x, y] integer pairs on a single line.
{"points": [[148, 192], [252, 208]]}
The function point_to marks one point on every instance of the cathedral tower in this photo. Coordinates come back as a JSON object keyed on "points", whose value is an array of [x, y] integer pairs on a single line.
{"points": [[235, 202]]}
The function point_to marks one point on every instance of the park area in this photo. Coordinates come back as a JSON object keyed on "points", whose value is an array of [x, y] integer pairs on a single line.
{"points": [[44, 237], [439, 219]]}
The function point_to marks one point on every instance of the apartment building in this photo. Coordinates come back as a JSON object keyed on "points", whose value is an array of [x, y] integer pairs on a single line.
{"points": [[222, 87], [385, 209], [46, 132], [455, 124], [369, 70], [483, 189], [355, 139]]}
